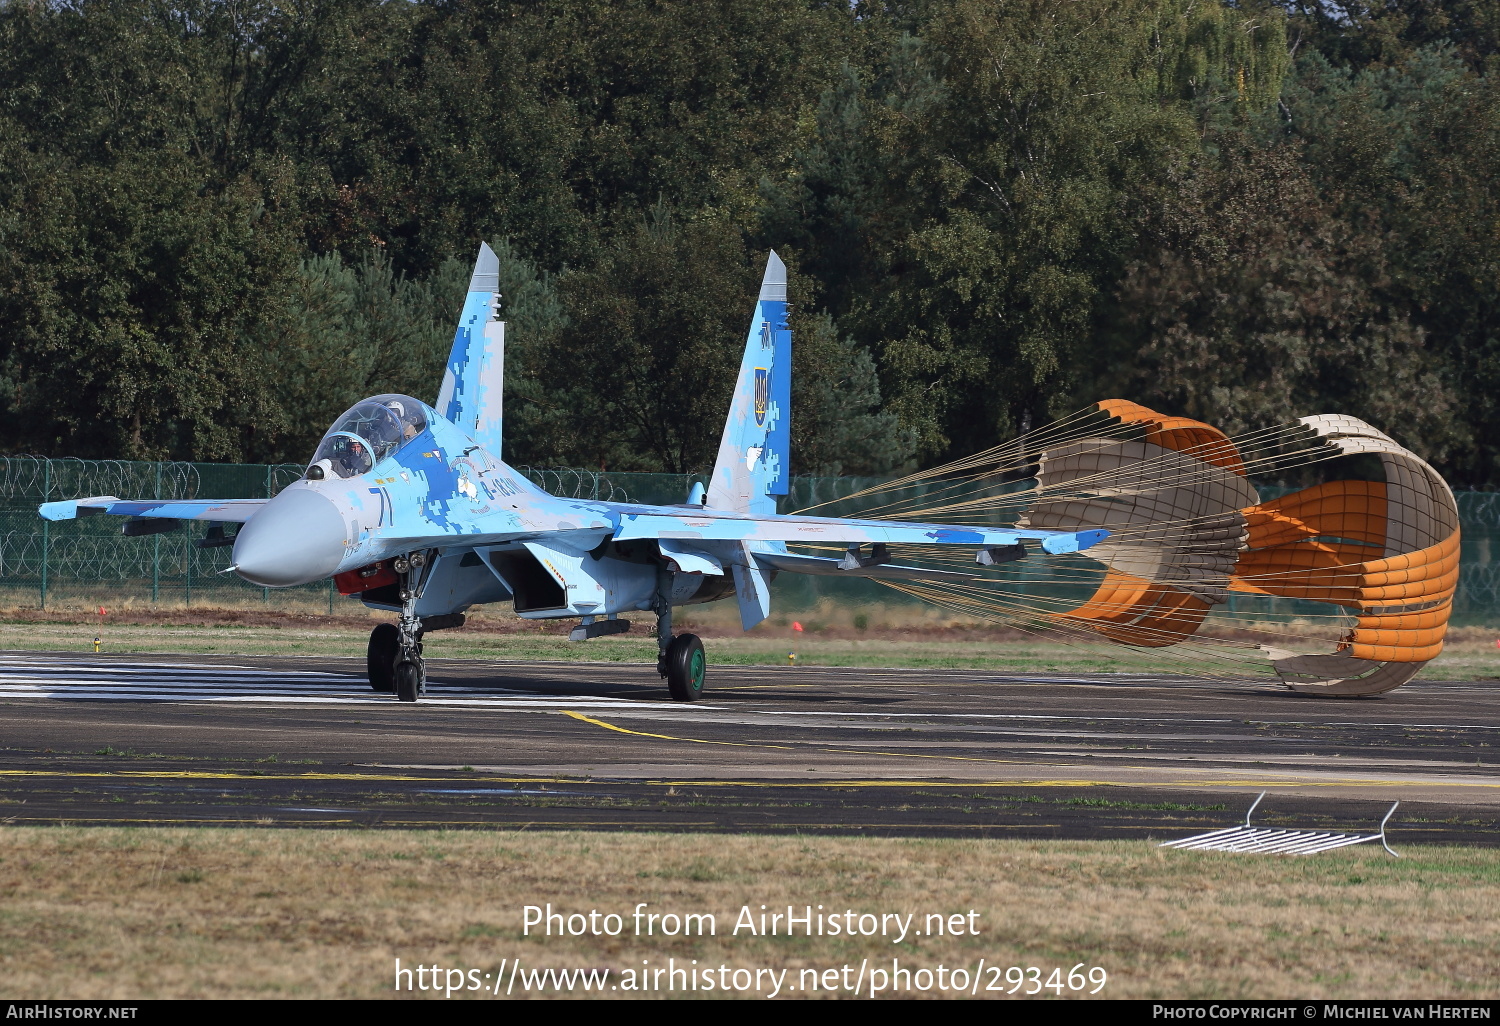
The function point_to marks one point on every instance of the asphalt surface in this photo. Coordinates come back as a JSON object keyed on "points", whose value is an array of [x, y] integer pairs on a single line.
{"points": [[304, 742]]}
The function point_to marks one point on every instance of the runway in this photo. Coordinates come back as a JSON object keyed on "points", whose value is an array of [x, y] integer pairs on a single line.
{"points": [[204, 740]]}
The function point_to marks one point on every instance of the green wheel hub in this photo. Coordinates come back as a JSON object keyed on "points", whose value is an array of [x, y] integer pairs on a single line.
{"points": [[684, 667]]}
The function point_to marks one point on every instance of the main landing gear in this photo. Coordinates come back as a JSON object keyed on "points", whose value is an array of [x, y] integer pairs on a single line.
{"points": [[680, 659], [380, 657], [394, 657]]}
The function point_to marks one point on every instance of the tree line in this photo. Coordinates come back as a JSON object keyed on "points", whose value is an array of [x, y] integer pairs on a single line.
{"points": [[222, 221]]}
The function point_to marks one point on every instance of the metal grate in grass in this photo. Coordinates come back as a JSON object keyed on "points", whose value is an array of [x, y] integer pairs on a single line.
{"points": [[1264, 841]]}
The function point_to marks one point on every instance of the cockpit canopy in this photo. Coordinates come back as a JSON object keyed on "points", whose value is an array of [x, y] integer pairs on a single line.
{"points": [[367, 433]]}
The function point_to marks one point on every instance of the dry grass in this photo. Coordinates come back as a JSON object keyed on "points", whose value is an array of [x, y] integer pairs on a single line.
{"points": [[754, 649], [150, 913], [1471, 653]]}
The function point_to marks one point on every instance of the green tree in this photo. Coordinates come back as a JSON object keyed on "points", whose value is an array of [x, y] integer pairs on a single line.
{"points": [[1405, 155], [640, 375], [349, 331], [838, 426], [969, 202], [127, 298], [1358, 33], [222, 220], [133, 267], [1255, 304]]}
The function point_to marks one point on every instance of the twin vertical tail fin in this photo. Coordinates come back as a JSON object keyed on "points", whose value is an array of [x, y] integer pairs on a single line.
{"points": [[754, 464], [472, 384]]}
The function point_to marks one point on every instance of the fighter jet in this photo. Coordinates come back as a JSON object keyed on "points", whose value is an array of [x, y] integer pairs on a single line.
{"points": [[411, 508]]}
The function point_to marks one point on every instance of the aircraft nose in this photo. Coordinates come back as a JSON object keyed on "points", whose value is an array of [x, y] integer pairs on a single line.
{"points": [[296, 538]]}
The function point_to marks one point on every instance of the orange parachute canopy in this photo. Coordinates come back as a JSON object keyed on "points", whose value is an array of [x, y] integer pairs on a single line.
{"points": [[1170, 496], [1186, 528], [1386, 549]]}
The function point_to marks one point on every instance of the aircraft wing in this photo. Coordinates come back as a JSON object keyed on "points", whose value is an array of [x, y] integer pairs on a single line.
{"points": [[821, 565], [222, 511], [718, 525]]}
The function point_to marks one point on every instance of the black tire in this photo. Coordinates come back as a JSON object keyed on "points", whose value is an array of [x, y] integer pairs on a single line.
{"points": [[686, 664], [408, 680], [380, 657]]}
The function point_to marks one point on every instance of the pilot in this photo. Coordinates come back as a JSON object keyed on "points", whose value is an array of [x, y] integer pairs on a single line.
{"points": [[408, 422], [354, 459]]}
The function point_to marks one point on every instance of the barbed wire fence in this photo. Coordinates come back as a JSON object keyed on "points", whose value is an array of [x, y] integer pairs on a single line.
{"points": [[87, 562], [570, 483]]}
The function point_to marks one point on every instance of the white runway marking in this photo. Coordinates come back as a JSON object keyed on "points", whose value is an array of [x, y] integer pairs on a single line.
{"points": [[197, 682], [63, 678]]}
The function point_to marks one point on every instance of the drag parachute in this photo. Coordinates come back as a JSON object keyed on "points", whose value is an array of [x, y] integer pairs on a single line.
{"points": [[1342, 588]]}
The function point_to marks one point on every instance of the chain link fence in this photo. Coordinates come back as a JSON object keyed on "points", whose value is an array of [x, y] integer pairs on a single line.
{"points": [[87, 562], [1478, 599]]}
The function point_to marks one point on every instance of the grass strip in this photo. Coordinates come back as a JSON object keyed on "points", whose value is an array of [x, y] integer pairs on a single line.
{"points": [[165, 913], [1462, 660]]}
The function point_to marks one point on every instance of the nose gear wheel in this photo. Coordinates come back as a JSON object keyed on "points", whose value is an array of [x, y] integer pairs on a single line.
{"points": [[408, 678]]}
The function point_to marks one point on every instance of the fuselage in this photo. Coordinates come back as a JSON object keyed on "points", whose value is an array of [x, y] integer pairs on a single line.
{"points": [[393, 480]]}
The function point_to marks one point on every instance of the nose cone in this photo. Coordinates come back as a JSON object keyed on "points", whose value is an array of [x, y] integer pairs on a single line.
{"points": [[296, 538]]}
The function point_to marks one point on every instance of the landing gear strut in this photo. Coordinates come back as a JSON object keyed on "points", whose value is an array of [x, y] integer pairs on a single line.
{"points": [[680, 659], [394, 658]]}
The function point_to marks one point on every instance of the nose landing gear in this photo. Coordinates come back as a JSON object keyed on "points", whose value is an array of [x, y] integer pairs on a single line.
{"points": [[394, 656]]}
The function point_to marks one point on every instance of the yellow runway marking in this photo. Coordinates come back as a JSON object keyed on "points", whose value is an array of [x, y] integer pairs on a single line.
{"points": [[668, 737], [828, 782], [787, 748], [632, 825], [203, 775]]}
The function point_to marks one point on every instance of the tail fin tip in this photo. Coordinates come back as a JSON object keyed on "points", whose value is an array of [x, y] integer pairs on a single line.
{"points": [[773, 285], [486, 276]]}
